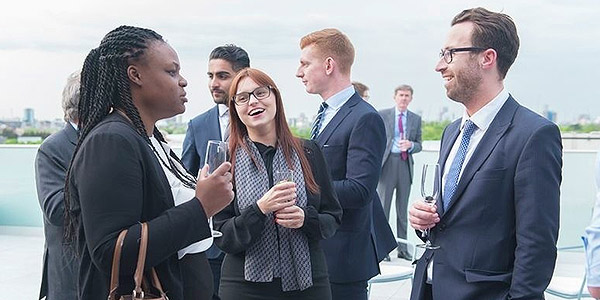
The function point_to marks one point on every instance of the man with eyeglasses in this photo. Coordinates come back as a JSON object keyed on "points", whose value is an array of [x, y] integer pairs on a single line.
{"points": [[223, 64], [351, 135], [496, 221]]}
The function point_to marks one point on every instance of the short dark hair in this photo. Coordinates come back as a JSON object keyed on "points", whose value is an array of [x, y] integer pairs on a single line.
{"points": [[493, 30], [236, 56]]}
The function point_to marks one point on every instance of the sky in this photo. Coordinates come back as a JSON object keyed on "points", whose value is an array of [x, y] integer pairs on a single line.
{"points": [[396, 41]]}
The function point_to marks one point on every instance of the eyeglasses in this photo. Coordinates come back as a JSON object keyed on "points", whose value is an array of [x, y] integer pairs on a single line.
{"points": [[448, 54], [259, 93]]}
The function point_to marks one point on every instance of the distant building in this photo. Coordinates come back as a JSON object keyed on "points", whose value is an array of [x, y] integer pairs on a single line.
{"points": [[549, 114], [29, 117]]}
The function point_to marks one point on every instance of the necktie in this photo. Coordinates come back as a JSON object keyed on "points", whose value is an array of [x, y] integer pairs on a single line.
{"points": [[314, 132], [456, 166], [403, 154], [225, 118]]}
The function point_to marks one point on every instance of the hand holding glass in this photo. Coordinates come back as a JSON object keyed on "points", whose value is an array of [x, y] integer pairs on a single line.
{"points": [[430, 190], [216, 154], [283, 176]]}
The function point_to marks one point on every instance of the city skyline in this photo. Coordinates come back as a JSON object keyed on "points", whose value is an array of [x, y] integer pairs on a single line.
{"points": [[396, 42]]}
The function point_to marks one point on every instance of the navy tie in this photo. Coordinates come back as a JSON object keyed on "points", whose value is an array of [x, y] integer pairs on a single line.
{"points": [[459, 159], [314, 131]]}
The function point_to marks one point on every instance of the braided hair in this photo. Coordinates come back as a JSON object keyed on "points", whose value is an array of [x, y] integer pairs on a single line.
{"points": [[105, 87]]}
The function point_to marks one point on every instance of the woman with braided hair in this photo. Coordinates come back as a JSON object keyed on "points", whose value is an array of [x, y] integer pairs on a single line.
{"points": [[122, 174], [272, 230]]}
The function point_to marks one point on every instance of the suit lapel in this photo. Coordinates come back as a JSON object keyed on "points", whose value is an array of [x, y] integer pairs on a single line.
{"points": [[213, 124], [452, 133], [488, 142], [71, 133], [337, 119]]}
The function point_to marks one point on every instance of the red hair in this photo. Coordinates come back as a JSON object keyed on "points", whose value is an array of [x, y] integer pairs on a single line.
{"points": [[288, 142]]}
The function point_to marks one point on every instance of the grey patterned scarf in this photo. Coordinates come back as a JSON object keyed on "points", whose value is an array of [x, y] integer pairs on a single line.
{"points": [[252, 183]]}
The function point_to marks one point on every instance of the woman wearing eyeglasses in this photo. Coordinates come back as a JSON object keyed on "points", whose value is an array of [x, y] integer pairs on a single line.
{"points": [[271, 231]]}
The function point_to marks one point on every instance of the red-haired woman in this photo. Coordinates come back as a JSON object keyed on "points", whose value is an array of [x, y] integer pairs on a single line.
{"points": [[271, 231]]}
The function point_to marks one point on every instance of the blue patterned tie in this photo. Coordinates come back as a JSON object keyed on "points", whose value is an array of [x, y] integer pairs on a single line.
{"points": [[459, 159], [314, 131]]}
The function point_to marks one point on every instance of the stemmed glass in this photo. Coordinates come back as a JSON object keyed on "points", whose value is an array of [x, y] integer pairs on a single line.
{"points": [[216, 154], [430, 190]]}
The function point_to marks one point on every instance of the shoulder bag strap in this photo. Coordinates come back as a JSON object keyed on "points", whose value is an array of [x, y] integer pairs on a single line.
{"points": [[114, 274]]}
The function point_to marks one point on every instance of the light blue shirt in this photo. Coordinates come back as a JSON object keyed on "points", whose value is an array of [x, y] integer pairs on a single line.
{"points": [[336, 102], [591, 239], [397, 137]]}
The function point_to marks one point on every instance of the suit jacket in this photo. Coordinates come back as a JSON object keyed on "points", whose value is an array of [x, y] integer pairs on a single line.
{"points": [[116, 183], [413, 122], [498, 236], [353, 143], [200, 130], [51, 164]]}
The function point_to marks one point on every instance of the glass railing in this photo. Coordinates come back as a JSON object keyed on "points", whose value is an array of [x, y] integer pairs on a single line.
{"points": [[19, 205]]}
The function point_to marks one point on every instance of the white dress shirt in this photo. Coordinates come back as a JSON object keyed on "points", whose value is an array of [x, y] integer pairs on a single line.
{"points": [[223, 119], [334, 103], [181, 194], [482, 119]]}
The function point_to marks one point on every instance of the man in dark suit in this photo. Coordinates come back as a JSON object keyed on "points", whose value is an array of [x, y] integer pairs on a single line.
{"points": [[352, 137], [59, 275], [496, 221], [224, 63], [403, 132]]}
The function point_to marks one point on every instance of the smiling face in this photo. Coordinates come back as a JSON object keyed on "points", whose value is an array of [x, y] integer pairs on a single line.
{"points": [[257, 115], [462, 76], [159, 87]]}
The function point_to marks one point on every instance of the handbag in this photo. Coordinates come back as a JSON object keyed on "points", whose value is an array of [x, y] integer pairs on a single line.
{"points": [[142, 289]]}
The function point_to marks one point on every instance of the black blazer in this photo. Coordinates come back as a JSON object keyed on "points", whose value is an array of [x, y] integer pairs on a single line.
{"points": [[116, 183], [322, 216], [498, 236], [51, 164], [353, 143]]}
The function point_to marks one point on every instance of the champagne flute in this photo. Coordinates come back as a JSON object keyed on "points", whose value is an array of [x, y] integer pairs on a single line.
{"points": [[430, 191], [216, 154]]}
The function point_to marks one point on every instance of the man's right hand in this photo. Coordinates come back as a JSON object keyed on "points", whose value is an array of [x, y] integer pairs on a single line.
{"points": [[422, 215], [215, 191]]}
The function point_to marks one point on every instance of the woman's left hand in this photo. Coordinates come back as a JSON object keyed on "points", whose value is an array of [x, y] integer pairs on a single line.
{"points": [[290, 217]]}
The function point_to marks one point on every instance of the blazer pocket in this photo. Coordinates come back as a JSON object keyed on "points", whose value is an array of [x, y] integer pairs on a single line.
{"points": [[474, 275], [493, 174]]}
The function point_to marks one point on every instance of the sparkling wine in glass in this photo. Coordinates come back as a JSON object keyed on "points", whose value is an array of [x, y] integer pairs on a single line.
{"points": [[283, 176], [216, 154], [430, 190]]}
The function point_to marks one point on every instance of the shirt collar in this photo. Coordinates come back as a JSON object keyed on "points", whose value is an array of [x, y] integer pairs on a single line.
{"points": [[223, 109], [341, 97], [398, 112], [74, 125], [484, 116]]}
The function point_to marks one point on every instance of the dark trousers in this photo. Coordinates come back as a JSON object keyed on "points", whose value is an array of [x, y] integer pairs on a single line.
{"points": [[356, 290], [215, 266], [197, 277], [395, 175]]}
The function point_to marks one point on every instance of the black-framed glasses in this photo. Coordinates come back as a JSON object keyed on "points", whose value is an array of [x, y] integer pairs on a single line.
{"points": [[259, 93], [448, 54]]}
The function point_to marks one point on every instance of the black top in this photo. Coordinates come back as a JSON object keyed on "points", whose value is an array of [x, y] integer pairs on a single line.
{"points": [[241, 229], [116, 183]]}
